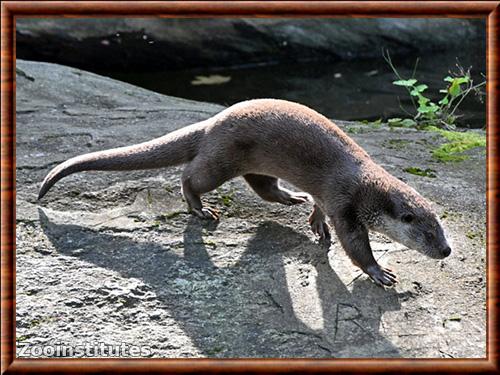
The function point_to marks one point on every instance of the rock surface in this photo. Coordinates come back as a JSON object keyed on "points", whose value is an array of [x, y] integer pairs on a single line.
{"points": [[114, 257], [161, 43]]}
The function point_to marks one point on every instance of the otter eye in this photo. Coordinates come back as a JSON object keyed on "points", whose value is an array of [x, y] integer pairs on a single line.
{"points": [[407, 218]]}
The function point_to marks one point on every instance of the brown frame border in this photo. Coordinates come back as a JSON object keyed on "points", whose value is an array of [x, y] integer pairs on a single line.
{"points": [[460, 9]]}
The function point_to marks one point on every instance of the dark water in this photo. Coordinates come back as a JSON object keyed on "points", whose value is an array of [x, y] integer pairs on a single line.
{"points": [[348, 90]]}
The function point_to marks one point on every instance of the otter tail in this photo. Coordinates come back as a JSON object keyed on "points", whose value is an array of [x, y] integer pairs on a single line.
{"points": [[175, 148]]}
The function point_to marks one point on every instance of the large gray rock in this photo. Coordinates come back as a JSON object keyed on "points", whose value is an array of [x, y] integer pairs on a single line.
{"points": [[114, 257], [159, 44]]}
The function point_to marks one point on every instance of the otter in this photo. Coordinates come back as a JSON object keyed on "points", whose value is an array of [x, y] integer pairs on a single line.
{"points": [[264, 140]]}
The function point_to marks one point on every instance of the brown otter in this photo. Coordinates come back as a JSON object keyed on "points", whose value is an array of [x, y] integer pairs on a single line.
{"points": [[267, 139]]}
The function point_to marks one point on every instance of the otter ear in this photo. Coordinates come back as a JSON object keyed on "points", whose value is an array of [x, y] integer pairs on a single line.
{"points": [[391, 206]]}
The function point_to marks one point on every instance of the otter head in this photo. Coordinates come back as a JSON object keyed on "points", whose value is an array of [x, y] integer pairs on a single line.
{"points": [[407, 217]]}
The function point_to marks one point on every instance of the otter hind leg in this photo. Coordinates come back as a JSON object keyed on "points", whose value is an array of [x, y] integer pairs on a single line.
{"points": [[268, 189], [198, 178], [193, 200]]}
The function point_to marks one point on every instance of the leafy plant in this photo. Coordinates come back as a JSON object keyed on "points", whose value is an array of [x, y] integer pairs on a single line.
{"points": [[399, 122], [459, 142], [226, 198], [427, 112], [375, 124], [421, 172]]}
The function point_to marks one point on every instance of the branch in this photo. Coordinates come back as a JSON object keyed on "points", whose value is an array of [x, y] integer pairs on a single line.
{"points": [[388, 60]]}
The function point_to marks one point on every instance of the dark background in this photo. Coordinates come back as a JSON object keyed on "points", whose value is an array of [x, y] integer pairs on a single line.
{"points": [[332, 65]]}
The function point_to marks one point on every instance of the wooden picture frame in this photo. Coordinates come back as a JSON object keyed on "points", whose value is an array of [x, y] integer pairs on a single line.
{"points": [[463, 9]]}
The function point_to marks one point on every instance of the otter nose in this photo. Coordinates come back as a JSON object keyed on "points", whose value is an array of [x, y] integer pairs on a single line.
{"points": [[446, 251]]}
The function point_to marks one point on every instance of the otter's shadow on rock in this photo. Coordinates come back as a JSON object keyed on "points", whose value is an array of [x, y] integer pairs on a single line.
{"points": [[244, 309]]}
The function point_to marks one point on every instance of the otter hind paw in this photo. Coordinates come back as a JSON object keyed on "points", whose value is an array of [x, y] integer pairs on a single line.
{"points": [[206, 213], [382, 276], [295, 198]]}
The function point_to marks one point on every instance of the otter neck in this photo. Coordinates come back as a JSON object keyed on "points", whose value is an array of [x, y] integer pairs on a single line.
{"points": [[371, 207]]}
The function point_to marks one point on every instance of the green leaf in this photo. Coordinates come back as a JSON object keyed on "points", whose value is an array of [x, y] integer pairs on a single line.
{"points": [[375, 124], [405, 82], [428, 109], [421, 172], [422, 100], [444, 101], [418, 89], [408, 123], [461, 80], [394, 120], [432, 108], [454, 88], [421, 88]]}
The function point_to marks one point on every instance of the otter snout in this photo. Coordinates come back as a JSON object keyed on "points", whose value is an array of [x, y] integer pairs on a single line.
{"points": [[439, 252], [446, 251]]}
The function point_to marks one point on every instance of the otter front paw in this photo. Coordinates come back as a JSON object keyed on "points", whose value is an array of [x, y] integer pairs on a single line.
{"points": [[381, 276], [206, 213], [321, 229]]}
